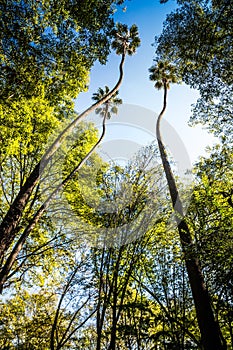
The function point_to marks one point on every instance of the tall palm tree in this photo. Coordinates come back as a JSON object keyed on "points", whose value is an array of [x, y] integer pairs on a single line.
{"points": [[125, 41], [163, 73], [110, 106]]}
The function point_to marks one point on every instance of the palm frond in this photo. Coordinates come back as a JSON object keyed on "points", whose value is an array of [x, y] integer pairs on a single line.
{"points": [[125, 40], [109, 106]]}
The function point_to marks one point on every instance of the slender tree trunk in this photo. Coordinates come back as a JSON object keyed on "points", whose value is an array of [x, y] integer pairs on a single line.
{"points": [[209, 328], [19, 245], [115, 293], [9, 225], [101, 311], [98, 312], [112, 345]]}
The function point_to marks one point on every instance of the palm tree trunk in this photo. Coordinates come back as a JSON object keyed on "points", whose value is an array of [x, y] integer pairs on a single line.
{"points": [[210, 332], [19, 245], [9, 225]]}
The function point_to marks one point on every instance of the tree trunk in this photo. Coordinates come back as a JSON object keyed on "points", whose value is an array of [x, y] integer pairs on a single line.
{"points": [[210, 332], [112, 345]]}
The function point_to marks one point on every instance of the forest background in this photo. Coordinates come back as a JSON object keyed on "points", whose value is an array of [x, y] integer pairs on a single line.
{"points": [[96, 254]]}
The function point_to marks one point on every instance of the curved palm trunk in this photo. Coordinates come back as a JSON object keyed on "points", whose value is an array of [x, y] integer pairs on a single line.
{"points": [[18, 246], [9, 225], [209, 328]]}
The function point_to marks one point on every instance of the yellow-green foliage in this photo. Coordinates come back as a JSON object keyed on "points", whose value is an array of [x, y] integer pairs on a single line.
{"points": [[82, 192], [25, 126]]}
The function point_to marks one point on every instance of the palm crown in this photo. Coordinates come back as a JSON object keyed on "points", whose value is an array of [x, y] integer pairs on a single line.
{"points": [[108, 107], [126, 40], [164, 73]]}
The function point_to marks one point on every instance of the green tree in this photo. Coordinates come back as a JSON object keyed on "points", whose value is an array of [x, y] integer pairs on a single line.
{"points": [[82, 150], [210, 216], [16, 210], [197, 38], [164, 73]]}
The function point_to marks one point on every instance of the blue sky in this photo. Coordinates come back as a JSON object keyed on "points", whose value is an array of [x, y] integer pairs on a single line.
{"points": [[136, 89]]}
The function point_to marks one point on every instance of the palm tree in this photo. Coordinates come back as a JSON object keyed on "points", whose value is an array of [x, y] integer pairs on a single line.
{"points": [[108, 107], [163, 73], [111, 104], [125, 41]]}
